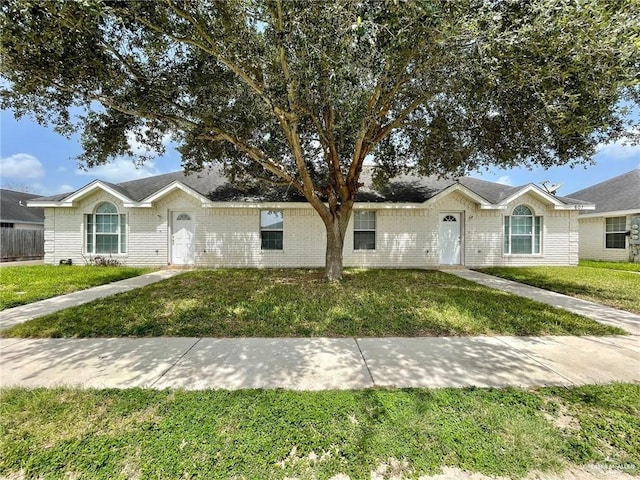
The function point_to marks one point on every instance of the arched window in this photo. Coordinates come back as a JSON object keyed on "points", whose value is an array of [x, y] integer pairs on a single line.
{"points": [[106, 230], [522, 231]]}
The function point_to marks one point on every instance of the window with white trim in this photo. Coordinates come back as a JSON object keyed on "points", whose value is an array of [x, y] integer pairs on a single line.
{"points": [[364, 230], [615, 232], [522, 232], [106, 230], [271, 229]]}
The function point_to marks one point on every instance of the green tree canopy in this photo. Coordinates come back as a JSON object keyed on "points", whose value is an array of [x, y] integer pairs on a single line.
{"points": [[299, 93]]}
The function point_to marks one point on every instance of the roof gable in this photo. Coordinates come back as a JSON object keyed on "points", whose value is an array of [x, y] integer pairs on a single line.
{"points": [[112, 189]]}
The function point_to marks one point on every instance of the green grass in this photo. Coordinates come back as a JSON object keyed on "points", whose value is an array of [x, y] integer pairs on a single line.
{"points": [[111, 434], [616, 288], [27, 284], [628, 266], [299, 303]]}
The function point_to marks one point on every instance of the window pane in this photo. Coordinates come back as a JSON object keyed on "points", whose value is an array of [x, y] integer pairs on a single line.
{"points": [[271, 240], [520, 244], [89, 233], [106, 208], [522, 210], [106, 223], [506, 234], [271, 220], [616, 224], [615, 240], [123, 234], [106, 243], [364, 220], [537, 234], [364, 240], [521, 225]]}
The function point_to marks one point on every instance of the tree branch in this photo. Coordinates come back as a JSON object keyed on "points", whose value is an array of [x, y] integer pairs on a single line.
{"points": [[402, 116]]}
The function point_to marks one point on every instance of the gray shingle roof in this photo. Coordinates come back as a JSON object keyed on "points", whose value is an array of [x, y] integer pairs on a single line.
{"points": [[403, 189], [12, 212], [616, 194]]}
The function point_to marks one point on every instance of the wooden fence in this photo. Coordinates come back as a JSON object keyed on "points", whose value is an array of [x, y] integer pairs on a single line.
{"points": [[21, 244]]}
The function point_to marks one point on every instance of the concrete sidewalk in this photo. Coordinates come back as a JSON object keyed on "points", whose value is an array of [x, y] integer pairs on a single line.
{"points": [[629, 322], [13, 316], [319, 363]]}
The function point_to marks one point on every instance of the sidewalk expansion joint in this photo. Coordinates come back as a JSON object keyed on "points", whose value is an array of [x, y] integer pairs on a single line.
{"points": [[175, 363], [373, 382], [543, 365]]}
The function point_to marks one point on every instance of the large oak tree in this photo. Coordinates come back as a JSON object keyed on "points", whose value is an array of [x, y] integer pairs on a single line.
{"points": [[300, 93]]}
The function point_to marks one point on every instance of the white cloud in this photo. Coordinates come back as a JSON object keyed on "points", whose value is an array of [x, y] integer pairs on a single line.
{"points": [[21, 165], [505, 180], [64, 188], [618, 151], [121, 170]]}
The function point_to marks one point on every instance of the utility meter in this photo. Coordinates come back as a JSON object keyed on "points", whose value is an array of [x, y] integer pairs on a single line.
{"points": [[634, 237]]}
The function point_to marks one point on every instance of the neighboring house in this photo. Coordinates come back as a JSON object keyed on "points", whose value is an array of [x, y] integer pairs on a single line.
{"points": [[606, 232], [14, 212], [420, 222], [21, 228]]}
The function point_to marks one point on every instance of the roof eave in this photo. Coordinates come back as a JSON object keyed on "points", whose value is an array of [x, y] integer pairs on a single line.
{"points": [[78, 194], [175, 185], [613, 213], [49, 204], [537, 191], [16, 220], [458, 187], [577, 206]]}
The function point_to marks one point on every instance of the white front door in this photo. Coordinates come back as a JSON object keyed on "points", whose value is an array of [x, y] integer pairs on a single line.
{"points": [[182, 239], [450, 239]]}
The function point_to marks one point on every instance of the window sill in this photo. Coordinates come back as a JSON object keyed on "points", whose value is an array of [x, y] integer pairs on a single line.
{"points": [[523, 255]]}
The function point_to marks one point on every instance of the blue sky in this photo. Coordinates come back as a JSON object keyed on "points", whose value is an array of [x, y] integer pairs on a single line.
{"points": [[38, 160]]}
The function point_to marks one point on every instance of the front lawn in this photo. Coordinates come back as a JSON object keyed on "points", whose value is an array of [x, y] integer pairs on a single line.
{"points": [[300, 303], [111, 434], [628, 266], [616, 288], [27, 284]]}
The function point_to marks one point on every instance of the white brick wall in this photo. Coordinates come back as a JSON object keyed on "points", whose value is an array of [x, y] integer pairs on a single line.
{"points": [[592, 241], [230, 237]]}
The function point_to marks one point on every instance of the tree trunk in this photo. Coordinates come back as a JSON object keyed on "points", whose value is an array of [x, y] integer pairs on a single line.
{"points": [[333, 259], [336, 228]]}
